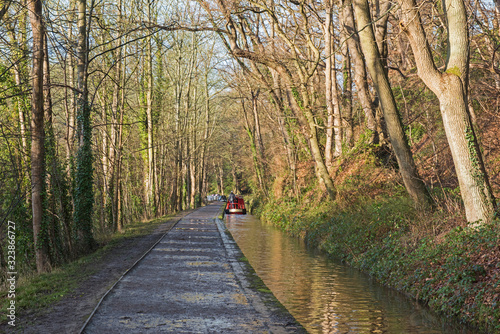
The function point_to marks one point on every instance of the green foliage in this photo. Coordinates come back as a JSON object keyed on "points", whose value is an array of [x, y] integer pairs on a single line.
{"points": [[14, 175], [296, 96], [416, 132], [197, 200], [477, 173], [84, 194]]}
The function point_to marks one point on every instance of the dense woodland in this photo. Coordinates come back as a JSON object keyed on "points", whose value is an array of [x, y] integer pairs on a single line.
{"points": [[117, 111]]}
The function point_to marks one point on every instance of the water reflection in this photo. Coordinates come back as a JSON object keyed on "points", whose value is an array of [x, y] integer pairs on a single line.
{"points": [[325, 296]]}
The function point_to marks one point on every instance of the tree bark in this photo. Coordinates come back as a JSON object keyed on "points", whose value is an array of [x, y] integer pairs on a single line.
{"points": [[38, 139], [360, 75], [347, 118], [381, 16], [258, 134], [84, 195], [250, 129], [329, 74]]}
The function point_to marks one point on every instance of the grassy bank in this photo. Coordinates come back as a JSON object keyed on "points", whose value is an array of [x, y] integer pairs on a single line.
{"points": [[434, 257], [456, 272]]}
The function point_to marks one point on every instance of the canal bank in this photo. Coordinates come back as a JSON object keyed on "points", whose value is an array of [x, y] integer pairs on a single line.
{"points": [[326, 296], [455, 270]]}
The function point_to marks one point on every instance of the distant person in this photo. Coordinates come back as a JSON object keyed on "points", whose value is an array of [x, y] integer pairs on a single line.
{"points": [[232, 197]]}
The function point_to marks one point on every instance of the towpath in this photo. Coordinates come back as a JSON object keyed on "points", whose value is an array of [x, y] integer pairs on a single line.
{"points": [[191, 282]]}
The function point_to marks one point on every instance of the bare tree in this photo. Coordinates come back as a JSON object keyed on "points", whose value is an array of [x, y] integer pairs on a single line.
{"points": [[451, 88]]}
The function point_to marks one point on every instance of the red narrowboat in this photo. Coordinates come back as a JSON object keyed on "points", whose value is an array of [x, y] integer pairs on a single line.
{"points": [[237, 206]]}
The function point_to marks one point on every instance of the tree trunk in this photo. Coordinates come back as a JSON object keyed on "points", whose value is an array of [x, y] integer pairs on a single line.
{"points": [[337, 118], [451, 89], [302, 101], [258, 134], [117, 194], [221, 177], [84, 195], [38, 139], [149, 185], [381, 17], [280, 109], [55, 193], [250, 129], [70, 110], [329, 74], [347, 118], [206, 132], [414, 185], [360, 75]]}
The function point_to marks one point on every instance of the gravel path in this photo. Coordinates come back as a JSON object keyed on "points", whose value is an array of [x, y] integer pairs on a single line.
{"points": [[70, 313], [190, 282]]}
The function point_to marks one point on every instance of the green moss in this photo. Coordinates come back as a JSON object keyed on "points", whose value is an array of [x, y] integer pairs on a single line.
{"points": [[454, 70]]}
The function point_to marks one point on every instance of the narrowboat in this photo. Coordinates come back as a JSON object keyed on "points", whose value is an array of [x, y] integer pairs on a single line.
{"points": [[236, 207]]}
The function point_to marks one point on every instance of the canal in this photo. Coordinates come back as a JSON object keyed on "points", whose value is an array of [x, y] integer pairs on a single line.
{"points": [[326, 296]]}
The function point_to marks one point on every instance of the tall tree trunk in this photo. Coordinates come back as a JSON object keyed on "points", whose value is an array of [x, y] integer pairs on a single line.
{"points": [[69, 96], [451, 88], [334, 119], [116, 181], [180, 176], [56, 185], [360, 75], [206, 132], [84, 195], [381, 16], [70, 109], [194, 153], [414, 185], [250, 129], [347, 118], [117, 112], [277, 96], [221, 176], [258, 134], [337, 114], [38, 139], [149, 114], [329, 74], [257, 144], [117, 194], [187, 173]]}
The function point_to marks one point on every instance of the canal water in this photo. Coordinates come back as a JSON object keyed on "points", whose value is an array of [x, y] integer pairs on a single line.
{"points": [[326, 296]]}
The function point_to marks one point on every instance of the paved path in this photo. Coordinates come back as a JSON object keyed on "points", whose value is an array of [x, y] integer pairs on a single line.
{"points": [[191, 282]]}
